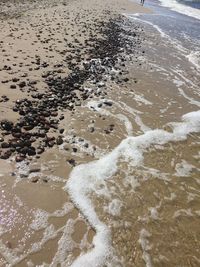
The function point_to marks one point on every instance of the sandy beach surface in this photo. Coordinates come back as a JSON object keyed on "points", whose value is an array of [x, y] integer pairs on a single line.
{"points": [[99, 166]]}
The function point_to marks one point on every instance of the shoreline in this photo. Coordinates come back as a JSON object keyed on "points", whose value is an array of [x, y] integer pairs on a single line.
{"points": [[119, 96], [29, 170]]}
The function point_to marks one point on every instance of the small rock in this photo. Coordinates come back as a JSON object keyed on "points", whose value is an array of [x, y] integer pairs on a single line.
{"points": [[19, 158], [34, 169], [86, 145], [34, 179], [22, 84], [61, 131], [72, 162], [66, 147], [6, 125], [45, 180], [5, 145], [108, 103], [91, 129], [59, 140]]}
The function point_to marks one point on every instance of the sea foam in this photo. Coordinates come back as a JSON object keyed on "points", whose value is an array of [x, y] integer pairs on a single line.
{"points": [[85, 179], [183, 9]]}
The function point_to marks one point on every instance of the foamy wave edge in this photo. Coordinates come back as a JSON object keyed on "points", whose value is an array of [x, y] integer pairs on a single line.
{"points": [[194, 58], [180, 8], [85, 177]]}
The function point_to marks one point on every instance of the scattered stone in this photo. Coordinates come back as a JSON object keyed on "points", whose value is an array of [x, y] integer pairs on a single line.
{"points": [[72, 162], [6, 125], [19, 158], [39, 111], [91, 129], [86, 145], [59, 140], [5, 145], [15, 80], [108, 103], [34, 169], [34, 179], [61, 131], [22, 84]]}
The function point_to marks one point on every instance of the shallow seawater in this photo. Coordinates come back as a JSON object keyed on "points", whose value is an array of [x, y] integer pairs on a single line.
{"points": [[131, 195], [145, 191], [179, 27]]}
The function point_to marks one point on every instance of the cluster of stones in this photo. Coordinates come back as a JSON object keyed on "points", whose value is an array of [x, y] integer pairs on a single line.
{"points": [[39, 114], [12, 8]]}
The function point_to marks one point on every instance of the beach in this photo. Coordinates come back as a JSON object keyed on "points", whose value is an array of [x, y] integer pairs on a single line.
{"points": [[99, 135]]}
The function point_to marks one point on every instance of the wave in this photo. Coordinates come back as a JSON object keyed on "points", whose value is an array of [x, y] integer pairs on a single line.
{"points": [[194, 58], [181, 8], [86, 178]]}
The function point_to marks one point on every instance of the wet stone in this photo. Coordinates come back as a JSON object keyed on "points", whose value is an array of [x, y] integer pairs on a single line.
{"points": [[6, 125], [19, 158], [34, 169], [5, 145], [34, 179], [74, 149], [72, 162], [91, 129], [59, 140], [108, 103]]}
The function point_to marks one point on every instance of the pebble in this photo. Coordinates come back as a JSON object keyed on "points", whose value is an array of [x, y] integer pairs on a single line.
{"points": [[13, 86], [59, 140], [34, 169], [72, 162], [34, 179]]}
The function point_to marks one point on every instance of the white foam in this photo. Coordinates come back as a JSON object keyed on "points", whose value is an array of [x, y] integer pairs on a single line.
{"points": [[114, 207], [180, 8], [121, 117], [183, 169], [131, 181], [93, 104], [183, 212], [162, 33], [40, 221], [127, 123], [194, 58], [85, 178], [143, 240], [140, 98], [190, 99], [154, 213]]}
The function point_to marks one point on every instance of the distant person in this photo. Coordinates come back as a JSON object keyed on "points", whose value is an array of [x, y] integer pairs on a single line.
{"points": [[142, 2]]}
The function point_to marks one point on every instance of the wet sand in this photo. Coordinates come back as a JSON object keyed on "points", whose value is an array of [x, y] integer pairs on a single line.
{"points": [[79, 112]]}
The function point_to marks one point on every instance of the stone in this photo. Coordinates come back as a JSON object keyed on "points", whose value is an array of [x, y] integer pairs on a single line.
{"points": [[72, 162], [5, 145], [108, 103], [6, 125], [22, 84], [59, 140], [34, 179], [19, 158], [34, 169]]}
